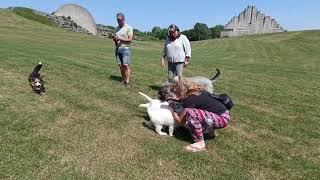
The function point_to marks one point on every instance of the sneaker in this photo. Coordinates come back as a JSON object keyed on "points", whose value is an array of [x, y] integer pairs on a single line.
{"points": [[196, 147]]}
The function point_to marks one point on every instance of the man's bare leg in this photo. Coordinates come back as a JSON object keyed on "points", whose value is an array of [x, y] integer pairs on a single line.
{"points": [[127, 73]]}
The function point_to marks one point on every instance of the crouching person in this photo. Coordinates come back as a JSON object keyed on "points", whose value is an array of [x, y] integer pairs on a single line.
{"points": [[200, 112]]}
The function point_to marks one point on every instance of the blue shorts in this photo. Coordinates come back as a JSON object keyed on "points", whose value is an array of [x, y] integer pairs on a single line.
{"points": [[123, 55]]}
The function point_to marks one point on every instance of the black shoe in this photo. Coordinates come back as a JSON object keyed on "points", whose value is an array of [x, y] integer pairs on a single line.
{"points": [[126, 83]]}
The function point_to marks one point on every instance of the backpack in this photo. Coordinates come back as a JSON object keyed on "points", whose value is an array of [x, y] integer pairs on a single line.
{"points": [[225, 99]]}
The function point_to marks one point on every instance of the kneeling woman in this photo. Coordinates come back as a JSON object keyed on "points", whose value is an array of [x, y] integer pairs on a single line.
{"points": [[200, 112]]}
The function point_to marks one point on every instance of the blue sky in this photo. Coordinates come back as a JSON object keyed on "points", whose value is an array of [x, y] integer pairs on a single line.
{"points": [[292, 15]]}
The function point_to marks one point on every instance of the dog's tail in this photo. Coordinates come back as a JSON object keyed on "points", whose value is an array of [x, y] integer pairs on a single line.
{"points": [[147, 97], [37, 68], [215, 77]]}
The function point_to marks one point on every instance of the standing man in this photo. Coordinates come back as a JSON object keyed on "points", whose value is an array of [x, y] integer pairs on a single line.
{"points": [[122, 39], [177, 51]]}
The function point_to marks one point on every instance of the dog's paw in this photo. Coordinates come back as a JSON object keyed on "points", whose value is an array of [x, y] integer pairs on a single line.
{"points": [[163, 134], [158, 130], [40, 63]]}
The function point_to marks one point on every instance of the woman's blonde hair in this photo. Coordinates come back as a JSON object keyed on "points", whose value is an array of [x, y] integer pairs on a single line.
{"points": [[184, 87]]}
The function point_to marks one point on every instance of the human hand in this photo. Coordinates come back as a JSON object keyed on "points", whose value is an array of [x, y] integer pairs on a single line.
{"points": [[162, 62], [172, 107], [186, 61], [115, 38]]}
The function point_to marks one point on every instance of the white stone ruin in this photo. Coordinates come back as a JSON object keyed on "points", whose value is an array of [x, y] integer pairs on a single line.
{"points": [[79, 15], [250, 21]]}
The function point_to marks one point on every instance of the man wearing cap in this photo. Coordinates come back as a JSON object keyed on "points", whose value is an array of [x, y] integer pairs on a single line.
{"points": [[122, 39], [177, 51]]}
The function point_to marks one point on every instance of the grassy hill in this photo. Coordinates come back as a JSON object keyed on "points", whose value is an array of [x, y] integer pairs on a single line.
{"points": [[89, 126]]}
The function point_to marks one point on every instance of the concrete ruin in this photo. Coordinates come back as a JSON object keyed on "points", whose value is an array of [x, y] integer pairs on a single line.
{"points": [[250, 21], [79, 15]]}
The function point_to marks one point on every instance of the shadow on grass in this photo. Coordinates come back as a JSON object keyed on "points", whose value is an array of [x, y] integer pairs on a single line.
{"points": [[182, 134], [146, 117], [115, 78], [154, 87], [179, 133]]}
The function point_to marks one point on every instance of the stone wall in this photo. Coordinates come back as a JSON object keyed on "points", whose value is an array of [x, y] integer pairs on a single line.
{"points": [[250, 21], [105, 31], [64, 22], [67, 23]]}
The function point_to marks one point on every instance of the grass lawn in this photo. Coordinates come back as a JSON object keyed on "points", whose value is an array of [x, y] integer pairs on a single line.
{"points": [[89, 126]]}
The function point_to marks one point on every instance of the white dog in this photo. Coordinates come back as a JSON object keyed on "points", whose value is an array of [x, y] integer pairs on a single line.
{"points": [[159, 115]]}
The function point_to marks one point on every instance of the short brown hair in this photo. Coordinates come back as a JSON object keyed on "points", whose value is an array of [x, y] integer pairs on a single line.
{"points": [[120, 14]]}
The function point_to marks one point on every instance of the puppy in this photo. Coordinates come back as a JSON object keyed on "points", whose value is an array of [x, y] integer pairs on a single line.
{"points": [[159, 115], [165, 92], [36, 81]]}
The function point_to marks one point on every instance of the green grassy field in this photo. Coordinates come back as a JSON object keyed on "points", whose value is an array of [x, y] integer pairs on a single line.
{"points": [[89, 126]]}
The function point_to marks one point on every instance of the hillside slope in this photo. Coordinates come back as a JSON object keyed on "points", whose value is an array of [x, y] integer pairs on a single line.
{"points": [[89, 126]]}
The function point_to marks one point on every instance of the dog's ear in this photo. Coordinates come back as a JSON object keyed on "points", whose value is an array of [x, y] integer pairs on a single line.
{"points": [[29, 79], [42, 77], [32, 83]]}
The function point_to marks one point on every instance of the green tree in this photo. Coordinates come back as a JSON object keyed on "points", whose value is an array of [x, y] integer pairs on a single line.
{"points": [[191, 34], [159, 33], [201, 31], [216, 31], [156, 29], [138, 35]]}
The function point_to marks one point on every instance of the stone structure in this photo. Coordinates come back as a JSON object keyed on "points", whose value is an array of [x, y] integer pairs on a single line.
{"points": [[105, 31], [79, 15], [67, 23], [250, 21]]}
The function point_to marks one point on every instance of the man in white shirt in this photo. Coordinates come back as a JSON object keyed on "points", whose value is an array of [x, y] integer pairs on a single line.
{"points": [[122, 40], [177, 51]]}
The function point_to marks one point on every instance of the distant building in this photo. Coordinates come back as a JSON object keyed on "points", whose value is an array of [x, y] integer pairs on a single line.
{"points": [[250, 21], [79, 15]]}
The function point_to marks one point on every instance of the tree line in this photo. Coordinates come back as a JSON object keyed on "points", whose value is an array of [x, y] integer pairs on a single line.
{"points": [[200, 31]]}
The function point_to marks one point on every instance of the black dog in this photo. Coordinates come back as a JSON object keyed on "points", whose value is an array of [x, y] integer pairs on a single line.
{"points": [[36, 81]]}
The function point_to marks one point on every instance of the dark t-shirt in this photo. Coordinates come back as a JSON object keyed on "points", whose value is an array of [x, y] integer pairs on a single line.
{"points": [[204, 102]]}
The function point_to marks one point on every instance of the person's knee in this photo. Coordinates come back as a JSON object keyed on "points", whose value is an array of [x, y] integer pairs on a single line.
{"points": [[126, 67], [190, 117], [189, 112]]}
